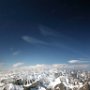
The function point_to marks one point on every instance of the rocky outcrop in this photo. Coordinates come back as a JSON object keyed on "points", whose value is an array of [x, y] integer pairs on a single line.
{"points": [[86, 86], [60, 87]]}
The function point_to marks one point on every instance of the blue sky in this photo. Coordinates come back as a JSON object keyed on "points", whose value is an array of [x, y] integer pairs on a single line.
{"points": [[42, 46], [35, 34]]}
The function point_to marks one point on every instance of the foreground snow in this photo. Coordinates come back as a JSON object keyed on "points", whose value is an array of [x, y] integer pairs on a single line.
{"points": [[46, 79]]}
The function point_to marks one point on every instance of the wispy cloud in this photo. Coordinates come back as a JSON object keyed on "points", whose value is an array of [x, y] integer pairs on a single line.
{"points": [[15, 53], [33, 40], [77, 61], [17, 64], [57, 39], [47, 31]]}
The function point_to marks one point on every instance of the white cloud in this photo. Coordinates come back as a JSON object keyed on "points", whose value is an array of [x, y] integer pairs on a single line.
{"points": [[74, 61], [83, 66], [75, 64], [33, 40], [38, 66], [42, 67], [19, 64], [22, 66], [27, 39], [77, 61]]}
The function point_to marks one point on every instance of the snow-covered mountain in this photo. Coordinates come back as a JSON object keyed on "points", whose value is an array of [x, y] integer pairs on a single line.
{"points": [[42, 77]]}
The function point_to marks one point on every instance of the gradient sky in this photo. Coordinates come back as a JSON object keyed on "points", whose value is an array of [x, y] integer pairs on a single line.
{"points": [[44, 31]]}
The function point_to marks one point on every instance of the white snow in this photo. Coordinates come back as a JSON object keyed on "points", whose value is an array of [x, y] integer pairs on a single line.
{"points": [[46, 77]]}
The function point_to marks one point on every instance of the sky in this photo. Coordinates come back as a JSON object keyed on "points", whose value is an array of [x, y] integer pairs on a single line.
{"points": [[44, 31]]}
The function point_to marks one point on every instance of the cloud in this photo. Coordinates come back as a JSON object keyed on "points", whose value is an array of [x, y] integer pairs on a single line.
{"points": [[42, 67], [16, 53], [22, 66], [77, 61], [33, 40], [47, 31], [19, 64], [74, 61], [84, 66], [38, 66]]}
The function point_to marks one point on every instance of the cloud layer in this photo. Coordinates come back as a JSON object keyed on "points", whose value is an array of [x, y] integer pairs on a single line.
{"points": [[33, 40], [41, 67], [19, 64]]}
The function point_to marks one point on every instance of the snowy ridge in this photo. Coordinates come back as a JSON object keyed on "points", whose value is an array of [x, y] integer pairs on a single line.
{"points": [[44, 78]]}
